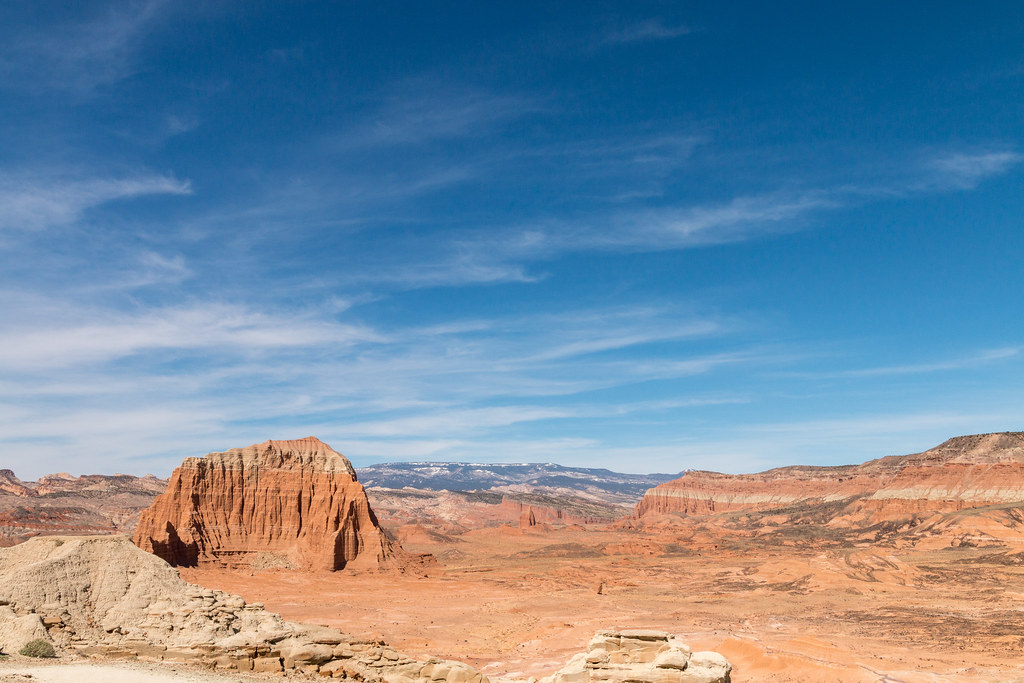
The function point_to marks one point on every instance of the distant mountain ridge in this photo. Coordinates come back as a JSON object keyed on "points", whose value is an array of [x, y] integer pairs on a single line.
{"points": [[63, 504], [461, 476]]}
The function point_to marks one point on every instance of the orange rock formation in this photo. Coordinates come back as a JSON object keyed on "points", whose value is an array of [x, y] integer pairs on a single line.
{"points": [[295, 501], [11, 484], [963, 472], [527, 519]]}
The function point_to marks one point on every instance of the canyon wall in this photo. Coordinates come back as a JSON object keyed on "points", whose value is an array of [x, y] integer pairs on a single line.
{"points": [[296, 503], [963, 472]]}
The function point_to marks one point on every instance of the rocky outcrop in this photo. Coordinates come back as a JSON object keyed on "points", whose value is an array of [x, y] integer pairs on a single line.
{"points": [[642, 657], [103, 596], [527, 519], [98, 485], [297, 500], [550, 509], [963, 472], [9, 483]]}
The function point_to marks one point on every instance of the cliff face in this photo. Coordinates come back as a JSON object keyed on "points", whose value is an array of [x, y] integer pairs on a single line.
{"points": [[14, 486], [297, 501], [963, 472]]}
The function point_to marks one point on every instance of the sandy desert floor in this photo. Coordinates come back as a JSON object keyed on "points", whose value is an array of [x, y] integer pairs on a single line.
{"points": [[520, 603]]}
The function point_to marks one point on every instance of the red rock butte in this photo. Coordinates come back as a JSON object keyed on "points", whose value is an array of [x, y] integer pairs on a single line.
{"points": [[296, 503]]}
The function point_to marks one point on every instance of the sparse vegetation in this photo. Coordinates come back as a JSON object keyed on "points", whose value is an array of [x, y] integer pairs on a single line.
{"points": [[37, 648]]}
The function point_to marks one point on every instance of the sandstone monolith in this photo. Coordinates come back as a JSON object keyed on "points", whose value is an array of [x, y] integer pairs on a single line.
{"points": [[297, 500]]}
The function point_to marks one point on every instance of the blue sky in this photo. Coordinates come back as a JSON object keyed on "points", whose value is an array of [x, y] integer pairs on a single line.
{"points": [[644, 236]]}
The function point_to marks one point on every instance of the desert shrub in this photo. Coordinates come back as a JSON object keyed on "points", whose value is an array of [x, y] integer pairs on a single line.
{"points": [[37, 648], [58, 543]]}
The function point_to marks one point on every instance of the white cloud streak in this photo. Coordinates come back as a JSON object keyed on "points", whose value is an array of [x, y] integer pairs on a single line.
{"points": [[161, 380], [35, 201], [966, 170], [671, 228], [646, 31], [415, 112], [83, 55], [965, 363], [89, 337]]}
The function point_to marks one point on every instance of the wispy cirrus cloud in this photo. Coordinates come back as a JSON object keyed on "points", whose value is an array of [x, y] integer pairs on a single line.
{"points": [[971, 361], [967, 169], [42, 340], [155, 369], [751, 216], [34, 200], [453, 256], [736, 220], [420, 111], [80, 54], [505, 251], [645, 31], [595, 344]]}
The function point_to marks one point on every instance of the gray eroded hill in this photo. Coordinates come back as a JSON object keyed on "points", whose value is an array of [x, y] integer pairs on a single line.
{"points": [[101, 595]]}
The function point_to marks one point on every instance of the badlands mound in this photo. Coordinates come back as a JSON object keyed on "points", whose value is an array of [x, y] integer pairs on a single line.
{"points": [[101, 595], [290, 503]]}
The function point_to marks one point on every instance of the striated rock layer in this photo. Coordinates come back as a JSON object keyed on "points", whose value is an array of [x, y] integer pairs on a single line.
{"points": [[963, 472], [296, 502], [9, 483]]}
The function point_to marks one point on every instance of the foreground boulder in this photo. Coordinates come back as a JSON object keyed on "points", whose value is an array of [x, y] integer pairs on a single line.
{"points": [[642, 657], [17, 631], [101, 595], [295, 502]]}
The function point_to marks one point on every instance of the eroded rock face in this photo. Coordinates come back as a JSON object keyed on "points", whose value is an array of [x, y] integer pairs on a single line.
{"points": [[9, 483], [527, 519], [101, 595], [298, 500], [963, 472], [642, 657]]}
